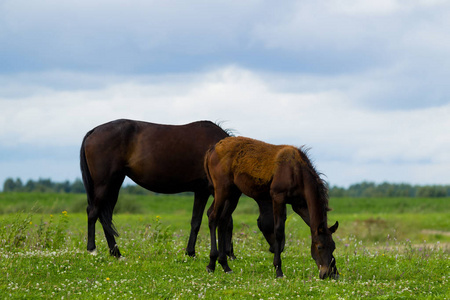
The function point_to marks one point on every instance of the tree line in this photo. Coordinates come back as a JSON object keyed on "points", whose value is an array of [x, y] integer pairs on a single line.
{"points": [[43, 186], [48, 186], [363, 189], [371, 189]]}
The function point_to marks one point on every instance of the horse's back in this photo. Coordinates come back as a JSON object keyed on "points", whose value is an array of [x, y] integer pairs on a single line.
{"points": [[106, 147], [161, 158], [169, 156]]}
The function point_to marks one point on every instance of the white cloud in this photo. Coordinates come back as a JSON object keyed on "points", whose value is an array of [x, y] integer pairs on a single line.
{"points": [[341, 132], [399, 47]]}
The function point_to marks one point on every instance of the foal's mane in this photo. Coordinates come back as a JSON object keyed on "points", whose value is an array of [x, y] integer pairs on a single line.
{"points": [[321, 184]]}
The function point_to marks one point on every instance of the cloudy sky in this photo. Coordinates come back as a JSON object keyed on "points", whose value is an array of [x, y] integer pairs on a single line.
{"points": [[363, 83]]}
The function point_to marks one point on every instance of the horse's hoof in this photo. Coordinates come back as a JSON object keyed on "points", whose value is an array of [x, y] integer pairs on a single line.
{"points": [[229, 272], [93, 252], [115, 252], [209, 270], [121, 258], [232, 257]]}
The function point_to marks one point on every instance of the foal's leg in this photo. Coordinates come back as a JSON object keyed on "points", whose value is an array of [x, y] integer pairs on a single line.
{"points": [[200, 200], [279, 213], [223, 226], [229, 236], [265, 221], [303, 213], [229, 240], [212, 222]]}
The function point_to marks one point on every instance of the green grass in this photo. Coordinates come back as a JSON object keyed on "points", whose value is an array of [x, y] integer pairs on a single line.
{"points": [[392, 249]]}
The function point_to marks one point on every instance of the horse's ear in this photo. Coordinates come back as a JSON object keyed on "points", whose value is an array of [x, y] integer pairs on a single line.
{"points": [[334, 227]]}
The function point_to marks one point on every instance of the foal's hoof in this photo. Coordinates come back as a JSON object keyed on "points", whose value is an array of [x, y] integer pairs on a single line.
{"points": [[93, 252], [334, 276], [232, 257], [209, 270], [190, 253]]}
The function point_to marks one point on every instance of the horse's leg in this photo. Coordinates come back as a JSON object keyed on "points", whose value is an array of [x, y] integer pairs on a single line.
{"points": [[92, 215], [114, 195], [279, 214], [112, 245], [106, 200], [200, 200], [96, 198]]}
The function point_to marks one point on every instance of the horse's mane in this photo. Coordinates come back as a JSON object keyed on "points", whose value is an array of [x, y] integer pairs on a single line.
{"points": [[322, 186], [229, 131]]}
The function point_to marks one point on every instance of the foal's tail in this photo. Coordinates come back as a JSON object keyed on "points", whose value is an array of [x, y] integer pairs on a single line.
{"points": [[206, 167]]}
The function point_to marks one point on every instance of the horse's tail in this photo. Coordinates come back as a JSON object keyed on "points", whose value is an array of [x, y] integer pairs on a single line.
{"points": [[85, 173]]}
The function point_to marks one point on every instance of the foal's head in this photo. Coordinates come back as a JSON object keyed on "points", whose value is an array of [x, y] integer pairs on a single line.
{"points": [[322, 247]]}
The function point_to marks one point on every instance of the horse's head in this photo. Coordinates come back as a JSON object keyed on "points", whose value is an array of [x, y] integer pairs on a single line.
{"points": [[322, 247]]}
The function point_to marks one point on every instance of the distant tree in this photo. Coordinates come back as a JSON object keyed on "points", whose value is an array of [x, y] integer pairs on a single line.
{"points": [[63, 187], [46, 183], [77, 187], [336, 191], [29, 186], [358, 189], [432, 191], [9, 185], [135, 190]]}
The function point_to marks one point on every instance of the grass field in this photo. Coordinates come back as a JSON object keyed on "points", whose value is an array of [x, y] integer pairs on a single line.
{"points": [[393, 248]]}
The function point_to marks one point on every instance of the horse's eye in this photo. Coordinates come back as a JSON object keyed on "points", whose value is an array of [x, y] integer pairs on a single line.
{"points": [[319, 247]]}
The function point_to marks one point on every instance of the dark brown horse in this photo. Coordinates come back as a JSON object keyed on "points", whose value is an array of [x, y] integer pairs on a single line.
{"points": [[161, 158], [274, 176]]}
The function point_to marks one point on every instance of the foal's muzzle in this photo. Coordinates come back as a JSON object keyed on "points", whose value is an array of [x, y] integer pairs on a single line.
{"points": [[330, 271]]}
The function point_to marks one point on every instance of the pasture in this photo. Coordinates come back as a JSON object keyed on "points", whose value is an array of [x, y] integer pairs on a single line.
{"points": [[386, 248]]}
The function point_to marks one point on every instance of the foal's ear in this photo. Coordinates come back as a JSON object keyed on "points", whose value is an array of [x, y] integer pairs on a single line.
{"points": [[334, 227], [322, 228]]}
